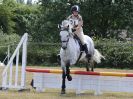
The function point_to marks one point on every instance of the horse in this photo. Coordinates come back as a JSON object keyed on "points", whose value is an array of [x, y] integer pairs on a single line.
{"points": [[70, 52]]}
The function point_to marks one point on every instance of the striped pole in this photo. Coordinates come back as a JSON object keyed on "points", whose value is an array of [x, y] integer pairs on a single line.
{"points": [[79, 72]]}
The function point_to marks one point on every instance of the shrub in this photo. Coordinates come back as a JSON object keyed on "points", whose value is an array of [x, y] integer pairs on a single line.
{"points": [[118, 54], [5, 41]]}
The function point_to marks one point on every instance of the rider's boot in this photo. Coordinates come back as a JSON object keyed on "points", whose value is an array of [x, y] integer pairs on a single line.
{"points": [[88, 56]]}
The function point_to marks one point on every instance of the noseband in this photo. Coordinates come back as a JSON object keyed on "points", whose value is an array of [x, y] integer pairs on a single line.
{"points": [[65, 41]]}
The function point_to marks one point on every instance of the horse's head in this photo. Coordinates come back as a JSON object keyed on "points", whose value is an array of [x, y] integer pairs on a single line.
{"points": [[65, 33], [66, 25]]}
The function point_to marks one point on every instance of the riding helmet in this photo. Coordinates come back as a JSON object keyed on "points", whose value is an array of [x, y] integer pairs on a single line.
{"points": [[75, 8]]}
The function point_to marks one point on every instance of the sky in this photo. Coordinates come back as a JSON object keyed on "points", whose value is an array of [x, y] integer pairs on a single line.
{"points": [[32, 1]]}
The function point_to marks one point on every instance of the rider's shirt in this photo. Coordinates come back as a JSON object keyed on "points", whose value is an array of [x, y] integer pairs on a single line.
{"points": [[75, 20]]}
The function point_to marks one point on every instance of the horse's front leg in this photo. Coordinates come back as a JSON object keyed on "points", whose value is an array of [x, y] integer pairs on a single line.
{"points": [[69, 77], [63, 91]]}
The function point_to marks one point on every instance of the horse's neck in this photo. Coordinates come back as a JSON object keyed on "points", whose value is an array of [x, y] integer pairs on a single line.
{"points": [[72, 45], [73, 50]]}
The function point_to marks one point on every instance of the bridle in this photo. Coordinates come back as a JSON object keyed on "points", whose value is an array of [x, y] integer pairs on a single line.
{"points": [[65, 41]]}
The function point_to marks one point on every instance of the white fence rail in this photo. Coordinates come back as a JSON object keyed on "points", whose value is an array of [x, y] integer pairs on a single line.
{"points": [[81, 83], [11, 76], [99, 82]]}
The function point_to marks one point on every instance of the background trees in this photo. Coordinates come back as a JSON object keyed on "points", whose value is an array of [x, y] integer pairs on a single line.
{"points": [[6, 15], [103, 19]]}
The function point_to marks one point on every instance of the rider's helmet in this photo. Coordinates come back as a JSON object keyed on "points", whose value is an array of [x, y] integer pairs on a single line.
{"points": [[75, 8]]}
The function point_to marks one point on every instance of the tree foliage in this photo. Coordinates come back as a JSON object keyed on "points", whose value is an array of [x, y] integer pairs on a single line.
{"points": [[46, 24], [101, 18], [6, 15], [24, 18], [16, 17]]}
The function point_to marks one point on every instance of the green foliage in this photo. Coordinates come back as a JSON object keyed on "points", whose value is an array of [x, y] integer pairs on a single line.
{"points": [[43, 54], [6, 40], [45, 27], [24, 18], [6, 15], [118, 54], [17, 18], [100, 17]]}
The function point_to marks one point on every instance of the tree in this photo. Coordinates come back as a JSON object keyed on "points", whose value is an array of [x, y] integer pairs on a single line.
{"points": [[6, 15], [100, 17], [103, 16], [52, 13], [24, 18]]}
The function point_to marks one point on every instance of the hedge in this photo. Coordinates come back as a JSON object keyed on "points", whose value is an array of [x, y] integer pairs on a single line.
{"points": [[118, 54]]}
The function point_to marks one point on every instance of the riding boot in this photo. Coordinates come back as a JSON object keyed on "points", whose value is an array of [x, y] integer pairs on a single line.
{"points": [[88, 56]]}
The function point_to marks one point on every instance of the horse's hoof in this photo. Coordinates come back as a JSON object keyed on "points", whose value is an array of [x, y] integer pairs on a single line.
{"points": [[63, 92], [92, 70], [69, 77], [32, 82]]}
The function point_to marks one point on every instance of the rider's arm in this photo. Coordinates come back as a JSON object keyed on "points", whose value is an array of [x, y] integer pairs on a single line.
{"points": [[80, 23]]}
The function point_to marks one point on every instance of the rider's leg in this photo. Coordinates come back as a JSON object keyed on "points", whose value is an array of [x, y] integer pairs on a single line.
{"points": [[86, 51], [81, 37]]}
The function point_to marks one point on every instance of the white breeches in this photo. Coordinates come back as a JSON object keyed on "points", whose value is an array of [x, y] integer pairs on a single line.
{"points": [[80, 34]]}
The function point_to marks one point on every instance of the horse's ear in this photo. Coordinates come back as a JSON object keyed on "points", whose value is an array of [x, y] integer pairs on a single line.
{"points": [[59, 26]]}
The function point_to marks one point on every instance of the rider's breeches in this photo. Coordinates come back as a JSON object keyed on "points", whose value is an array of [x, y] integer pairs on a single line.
{"points": [[80, 34]]}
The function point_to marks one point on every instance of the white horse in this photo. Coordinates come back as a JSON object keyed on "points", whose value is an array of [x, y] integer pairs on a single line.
{"points": [[70, 51]]}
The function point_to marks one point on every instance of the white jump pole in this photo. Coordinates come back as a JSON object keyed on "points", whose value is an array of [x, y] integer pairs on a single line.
{"points": [[98, 82]]}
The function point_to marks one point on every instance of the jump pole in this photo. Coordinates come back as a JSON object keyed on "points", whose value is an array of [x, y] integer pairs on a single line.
{"points": [[98, 82]]}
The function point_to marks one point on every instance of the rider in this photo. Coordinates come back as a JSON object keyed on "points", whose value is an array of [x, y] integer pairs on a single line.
{"points": [[76, 20]]}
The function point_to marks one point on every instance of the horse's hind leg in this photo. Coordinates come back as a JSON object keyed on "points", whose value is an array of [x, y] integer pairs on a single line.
{"points": [[92, 68], [92, 65], [87, 67]]}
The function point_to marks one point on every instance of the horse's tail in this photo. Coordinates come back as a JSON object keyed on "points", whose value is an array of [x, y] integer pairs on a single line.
{"points": [[97, 56]]}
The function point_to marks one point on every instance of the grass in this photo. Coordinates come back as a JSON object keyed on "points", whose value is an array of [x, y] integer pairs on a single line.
{"points": [[55, 93]]}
